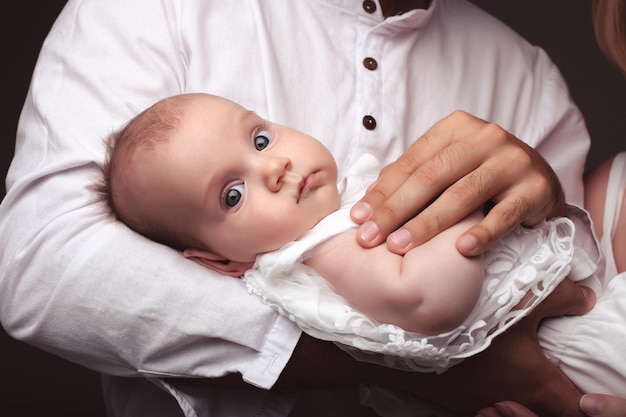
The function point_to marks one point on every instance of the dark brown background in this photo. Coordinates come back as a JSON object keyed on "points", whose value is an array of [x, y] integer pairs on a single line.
{"points": [[34, 383]]}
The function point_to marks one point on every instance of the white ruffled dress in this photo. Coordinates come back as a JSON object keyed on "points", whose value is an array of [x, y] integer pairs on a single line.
{"points": [[528, 261]]}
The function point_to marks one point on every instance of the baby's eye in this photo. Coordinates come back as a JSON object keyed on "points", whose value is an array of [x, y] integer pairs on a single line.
{"points": [[233, 195], [261, 140]]}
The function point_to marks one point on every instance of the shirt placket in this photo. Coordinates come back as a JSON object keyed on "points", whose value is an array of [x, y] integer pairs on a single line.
{"points": [[368, 68]]}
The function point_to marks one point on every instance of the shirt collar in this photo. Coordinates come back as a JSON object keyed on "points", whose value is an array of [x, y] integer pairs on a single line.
{"points": [[411, 20]]}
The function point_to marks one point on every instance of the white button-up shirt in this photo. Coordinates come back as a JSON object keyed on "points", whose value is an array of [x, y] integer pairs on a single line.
{"points": [[81, 285]]}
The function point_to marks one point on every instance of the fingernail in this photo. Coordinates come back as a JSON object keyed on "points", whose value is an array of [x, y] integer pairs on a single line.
{"points": [[401, 238], [361, 210], [504, 410], [468, 244], [592, 405], [369, 231]]}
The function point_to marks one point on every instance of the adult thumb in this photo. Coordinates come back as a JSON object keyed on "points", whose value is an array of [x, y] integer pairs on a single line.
{"points": [[597, 405]]}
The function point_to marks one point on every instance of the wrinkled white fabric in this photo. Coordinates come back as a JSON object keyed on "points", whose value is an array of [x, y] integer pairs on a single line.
{"points": [[590, 349], [528, 261]]}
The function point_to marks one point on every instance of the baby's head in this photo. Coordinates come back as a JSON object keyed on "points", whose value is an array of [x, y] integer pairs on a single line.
{"points": [[134, 155], [206, 176]]}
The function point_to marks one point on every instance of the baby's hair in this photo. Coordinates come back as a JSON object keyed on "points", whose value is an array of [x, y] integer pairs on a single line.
{"points": [[138, 138]]}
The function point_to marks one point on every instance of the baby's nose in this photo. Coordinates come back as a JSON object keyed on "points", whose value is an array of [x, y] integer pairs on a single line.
{"points": [[274, 169]]}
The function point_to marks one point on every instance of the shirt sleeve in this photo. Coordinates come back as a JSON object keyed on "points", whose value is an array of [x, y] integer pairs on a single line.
{"points": [[560, 134], [74, 281]]}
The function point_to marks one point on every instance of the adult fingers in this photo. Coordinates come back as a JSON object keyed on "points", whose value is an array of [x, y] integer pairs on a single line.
{"points": [[598, 405], [405, 187], [567, 299], [506, 409], [457, 166], [521, 188]]}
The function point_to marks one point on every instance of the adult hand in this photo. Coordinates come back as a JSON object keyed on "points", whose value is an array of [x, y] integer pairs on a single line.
{"points": [[460, 164], [594, 405]]}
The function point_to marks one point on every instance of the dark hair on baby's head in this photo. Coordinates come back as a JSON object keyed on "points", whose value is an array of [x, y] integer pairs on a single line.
{"points": [[132, 144]]}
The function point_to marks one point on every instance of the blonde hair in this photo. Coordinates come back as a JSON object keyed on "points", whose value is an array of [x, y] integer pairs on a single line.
{"points": [[609, 20]]}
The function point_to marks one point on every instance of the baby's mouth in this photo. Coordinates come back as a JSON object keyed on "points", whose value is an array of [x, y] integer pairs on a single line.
{"points": [[305, 185]]}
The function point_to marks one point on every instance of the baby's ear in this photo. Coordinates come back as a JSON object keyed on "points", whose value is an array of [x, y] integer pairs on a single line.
{"points": [[217, 263]]}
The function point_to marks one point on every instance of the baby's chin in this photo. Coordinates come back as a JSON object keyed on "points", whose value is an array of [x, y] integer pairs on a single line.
{"points": [[319, 218]]}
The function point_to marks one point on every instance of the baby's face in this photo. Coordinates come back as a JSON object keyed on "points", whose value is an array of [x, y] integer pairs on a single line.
{"points": [[240, 184]]}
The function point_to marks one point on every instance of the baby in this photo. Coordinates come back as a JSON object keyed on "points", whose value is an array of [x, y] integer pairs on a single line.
{"points": [[247, 197]]}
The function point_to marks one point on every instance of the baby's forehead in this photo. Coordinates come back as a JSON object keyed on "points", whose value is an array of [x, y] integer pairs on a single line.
{"points": [[208, 102], [192, 124]]}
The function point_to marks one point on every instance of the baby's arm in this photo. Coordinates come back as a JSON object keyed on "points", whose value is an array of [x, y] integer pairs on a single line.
{"points": [[429, 290]]}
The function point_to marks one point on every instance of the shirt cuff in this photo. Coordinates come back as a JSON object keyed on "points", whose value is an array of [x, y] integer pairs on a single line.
{"points": [[273, 357]]}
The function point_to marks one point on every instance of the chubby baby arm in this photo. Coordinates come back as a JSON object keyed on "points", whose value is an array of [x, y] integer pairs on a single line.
{"points": [[429, 290]]}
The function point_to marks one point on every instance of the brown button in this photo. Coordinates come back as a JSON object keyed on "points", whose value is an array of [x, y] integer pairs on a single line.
{"points": [[369, 6], [369, 122], [370, 63]]}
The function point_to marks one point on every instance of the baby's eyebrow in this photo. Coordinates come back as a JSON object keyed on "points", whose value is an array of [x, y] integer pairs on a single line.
{"points": [[250, 114], [247, 114]]}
